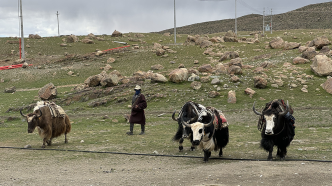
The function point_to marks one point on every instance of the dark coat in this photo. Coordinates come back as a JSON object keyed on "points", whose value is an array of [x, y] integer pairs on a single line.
{"points": [[137, 114]]}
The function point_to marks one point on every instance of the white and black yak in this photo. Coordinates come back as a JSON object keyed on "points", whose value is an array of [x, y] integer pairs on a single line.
{"points": [[187, 113], [50, 122], [211, 134], [277, 127]]}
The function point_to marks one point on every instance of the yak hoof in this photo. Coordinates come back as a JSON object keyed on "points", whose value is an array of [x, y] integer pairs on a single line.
{"points": [[282, 158], [43, 146], [66, 141], [180, 148], [192, 148]]}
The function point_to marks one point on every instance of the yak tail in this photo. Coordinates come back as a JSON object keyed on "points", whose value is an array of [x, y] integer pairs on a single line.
{"points": [[68, 125]]}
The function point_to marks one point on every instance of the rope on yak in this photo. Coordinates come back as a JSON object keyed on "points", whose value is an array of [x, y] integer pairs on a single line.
{"points": [[164, 155]]}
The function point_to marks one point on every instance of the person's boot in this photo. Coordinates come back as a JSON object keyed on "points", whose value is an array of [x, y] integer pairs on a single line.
{"points": [[131, 129], [143, 130]]}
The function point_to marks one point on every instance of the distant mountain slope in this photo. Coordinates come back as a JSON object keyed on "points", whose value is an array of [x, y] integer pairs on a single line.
{"points": [[315, 16]]}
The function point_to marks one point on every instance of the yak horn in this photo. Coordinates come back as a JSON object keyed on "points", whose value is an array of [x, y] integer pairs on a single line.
{"points": [[211, 122], [40, 113], [22, 113], [285, 111], [255, 111], [174, 117], [186, 124]]}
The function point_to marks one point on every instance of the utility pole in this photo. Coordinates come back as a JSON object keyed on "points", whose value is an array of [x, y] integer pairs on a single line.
{"points": [[235, 20], [57, 15], [22, 35], [174, 24], [263, 20], [271, 21]]}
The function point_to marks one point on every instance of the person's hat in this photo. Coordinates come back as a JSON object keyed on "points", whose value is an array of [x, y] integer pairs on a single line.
{"points": [[137, 87]]}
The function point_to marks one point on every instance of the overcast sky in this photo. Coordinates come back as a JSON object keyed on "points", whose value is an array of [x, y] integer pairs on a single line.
{"points": [[81, 17]]}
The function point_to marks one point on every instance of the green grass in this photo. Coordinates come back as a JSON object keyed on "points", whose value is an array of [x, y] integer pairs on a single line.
{"points": [[312, 109]]}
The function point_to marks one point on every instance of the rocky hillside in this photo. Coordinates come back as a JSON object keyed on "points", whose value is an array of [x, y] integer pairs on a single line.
{"points": [[316, 16]]}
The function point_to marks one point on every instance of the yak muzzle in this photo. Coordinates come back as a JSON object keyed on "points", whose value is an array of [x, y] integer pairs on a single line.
{"points": [[196, 142]]}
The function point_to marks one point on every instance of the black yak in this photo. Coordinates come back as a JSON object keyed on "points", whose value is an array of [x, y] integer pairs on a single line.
{"points": [[277, 127]]}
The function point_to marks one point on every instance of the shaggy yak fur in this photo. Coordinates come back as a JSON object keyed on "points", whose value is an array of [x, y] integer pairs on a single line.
{"points": [[217, 137], [187, 113], [48, 127], [282, 132]]}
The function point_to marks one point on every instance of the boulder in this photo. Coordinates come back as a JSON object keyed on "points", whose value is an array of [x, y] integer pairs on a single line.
{"points": [[87, 41], [319, 42], [215, 81], [277, 43], [260, 82], [213, 94], [93, 81], [325, 50], [309, 53], [250, 92], [71, 39], [234, 70], [231, 97], [291, 45], [196, 85], [116, 34], [205, 44], [109, 80], [156, 77], [47, 92], [110, 60], [235, 79], [302, 48], [230, 36], [229, 55], [205, 68], [220, 68], [300, 60], [157, 67], [327, 86], [322, 65], [156, 46], [236, 61], [160, 52], [193, 77], [10, 90], [178, 75]]}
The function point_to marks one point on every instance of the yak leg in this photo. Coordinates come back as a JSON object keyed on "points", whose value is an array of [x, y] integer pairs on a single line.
{"points": [[192, 148], [49, 142], [44, 142], [220, 152], [180, 144], [207, 154], [66, 140], [283, 152], [270, 154]]}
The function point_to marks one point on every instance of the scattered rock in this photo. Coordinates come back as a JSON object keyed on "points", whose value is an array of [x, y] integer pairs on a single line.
{"points": [[47, 92], [322, 65], [231, 97], [178, 75], [327, 86], [260, 82], [10, 89], [196, 85]]}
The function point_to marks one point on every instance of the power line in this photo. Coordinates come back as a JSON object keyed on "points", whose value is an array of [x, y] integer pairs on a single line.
{"points": [[248, 6]]}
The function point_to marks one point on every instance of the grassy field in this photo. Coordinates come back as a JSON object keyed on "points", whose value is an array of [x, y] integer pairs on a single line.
{"points": [[90, 131]]}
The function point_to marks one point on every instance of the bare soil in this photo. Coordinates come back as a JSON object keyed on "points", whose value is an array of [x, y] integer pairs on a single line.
{"points": [[100, 169]]}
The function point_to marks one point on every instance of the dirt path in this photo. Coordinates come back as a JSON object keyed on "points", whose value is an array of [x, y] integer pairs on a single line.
{"points": [[72, 168], [22, 90]]}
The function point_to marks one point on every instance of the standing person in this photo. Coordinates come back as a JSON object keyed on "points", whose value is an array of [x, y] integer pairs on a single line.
{"points": [[137, 111]]}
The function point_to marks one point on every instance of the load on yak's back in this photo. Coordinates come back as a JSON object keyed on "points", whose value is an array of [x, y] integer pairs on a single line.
{"points": [[51, 121], [206, 127], [276, 124]]}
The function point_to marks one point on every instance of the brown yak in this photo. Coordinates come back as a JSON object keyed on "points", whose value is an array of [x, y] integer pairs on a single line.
{"points": [[49, 127]]}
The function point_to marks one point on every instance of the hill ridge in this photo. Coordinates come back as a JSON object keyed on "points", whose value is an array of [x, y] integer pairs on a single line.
{"points": [[313, 16]]}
